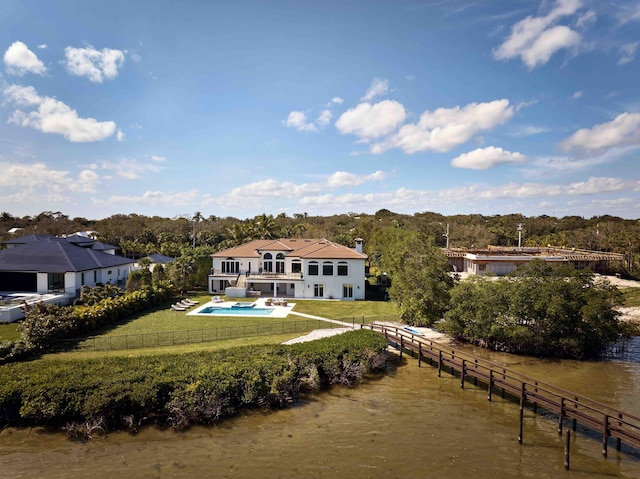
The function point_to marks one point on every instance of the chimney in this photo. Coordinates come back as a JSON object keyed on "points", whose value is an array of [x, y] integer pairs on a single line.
{"points": [[358, 245]]}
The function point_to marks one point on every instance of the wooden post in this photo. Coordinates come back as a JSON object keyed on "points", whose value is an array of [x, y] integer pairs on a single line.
{"points": [[439, 363], [462, 374], [605, 435], [535, 404], [522, 399], [401, 345], [561, 416], [490, 384], [567, 450], [419, 354], [619, 440]]}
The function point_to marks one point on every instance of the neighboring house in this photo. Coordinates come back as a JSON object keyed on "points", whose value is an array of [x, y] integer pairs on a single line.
{"points": [[48, 264], [500, 261], [296, 268], [157, 258]]}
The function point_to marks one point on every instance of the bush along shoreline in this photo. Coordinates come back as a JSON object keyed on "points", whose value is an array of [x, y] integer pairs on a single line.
{"points": [[99, 395]]}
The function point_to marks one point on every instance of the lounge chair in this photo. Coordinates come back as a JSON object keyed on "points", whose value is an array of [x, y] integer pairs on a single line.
{"points": [[176, 307], [217, 299], [189, 301], [184, 304]]}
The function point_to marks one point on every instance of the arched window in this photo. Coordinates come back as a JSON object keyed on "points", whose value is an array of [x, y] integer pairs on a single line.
{"points": [[280, 263], [313, 268], [327, 268], [296, 266], [267, 263]]}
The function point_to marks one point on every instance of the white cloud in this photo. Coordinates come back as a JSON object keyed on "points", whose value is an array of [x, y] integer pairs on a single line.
{"points": [[43, 46], [120, 135], [153, 198], [529, 130], [130, 168], [485, 158], [629, 13], [536, 39], [324, 118], [20, 60], [94, 64], [378, 87], [624, 130], [577, 95], [53, 116], [337, 100], [587, 19], [298, 120], [35, 183], [372, 121], [446, 128], [159, 159], [628, 52], [343, 178]]}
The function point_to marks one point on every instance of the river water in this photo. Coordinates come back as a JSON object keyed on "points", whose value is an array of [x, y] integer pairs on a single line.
{"points": [[406, 423]]}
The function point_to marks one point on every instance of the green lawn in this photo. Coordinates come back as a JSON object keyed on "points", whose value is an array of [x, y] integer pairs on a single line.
{"points": [[346, 309], [177, 349], [8, 332], [631, 297]]}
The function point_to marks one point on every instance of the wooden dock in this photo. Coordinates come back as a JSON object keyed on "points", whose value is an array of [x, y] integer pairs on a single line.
{"points": [[612, 424]]}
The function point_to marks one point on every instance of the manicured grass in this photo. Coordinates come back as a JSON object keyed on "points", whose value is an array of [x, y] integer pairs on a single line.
{"points": [[631, 297], [346, 309], [177, 349], [8, 332]]}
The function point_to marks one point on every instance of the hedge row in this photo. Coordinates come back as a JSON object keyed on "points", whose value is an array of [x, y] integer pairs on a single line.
{"points": [[179, 390], [47, 323]]}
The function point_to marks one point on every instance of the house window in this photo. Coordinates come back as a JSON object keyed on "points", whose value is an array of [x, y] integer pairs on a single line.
{"points": [[95, 276], [313, 268], [221, 288], [347, 291], [267, 263], [279, 263], [482, 267], [230, 267], [296, 266], [327, 268], [318, 290], [55, 282], [343, 268], [82, 279]]}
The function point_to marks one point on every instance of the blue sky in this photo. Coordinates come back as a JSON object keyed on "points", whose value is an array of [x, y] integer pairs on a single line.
{"points": [[243, 107]]}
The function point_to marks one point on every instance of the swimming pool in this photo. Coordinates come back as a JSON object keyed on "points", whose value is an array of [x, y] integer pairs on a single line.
{"points": [[234, 311]]}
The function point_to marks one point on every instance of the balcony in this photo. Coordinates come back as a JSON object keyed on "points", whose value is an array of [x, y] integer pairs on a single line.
{"points": [[258, 275]]}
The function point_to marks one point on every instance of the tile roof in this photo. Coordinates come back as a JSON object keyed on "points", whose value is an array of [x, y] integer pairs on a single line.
{"points": [[56, 255], [293, 247]]}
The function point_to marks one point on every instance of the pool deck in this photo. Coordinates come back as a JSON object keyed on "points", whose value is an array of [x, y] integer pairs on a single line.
{"points": [[277, 311]]}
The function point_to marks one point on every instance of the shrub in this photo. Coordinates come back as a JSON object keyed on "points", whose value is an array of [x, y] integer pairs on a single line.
{"points": [[179, 390]]}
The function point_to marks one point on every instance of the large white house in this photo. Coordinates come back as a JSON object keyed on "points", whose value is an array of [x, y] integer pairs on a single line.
{"points": [[291, 267]]}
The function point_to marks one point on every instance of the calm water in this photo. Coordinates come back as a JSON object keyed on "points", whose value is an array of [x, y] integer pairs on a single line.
{"points": [[408, 423]]}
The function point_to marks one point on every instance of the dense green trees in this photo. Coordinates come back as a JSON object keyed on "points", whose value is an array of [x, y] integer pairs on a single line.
{"points": [[140, 235], [419, 271], [540, 309]]}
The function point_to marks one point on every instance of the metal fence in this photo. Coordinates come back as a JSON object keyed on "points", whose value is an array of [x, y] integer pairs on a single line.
{"points": [[172, 338]]}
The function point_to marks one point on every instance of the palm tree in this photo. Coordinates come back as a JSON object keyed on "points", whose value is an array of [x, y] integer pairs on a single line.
{"points": [[237, 234], [264, 226], [197, 218]]}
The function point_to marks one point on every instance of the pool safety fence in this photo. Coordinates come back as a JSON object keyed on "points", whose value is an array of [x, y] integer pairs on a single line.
{"points": [[172, 338]]}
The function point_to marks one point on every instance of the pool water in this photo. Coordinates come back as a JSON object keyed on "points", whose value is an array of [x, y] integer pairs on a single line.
{"points": [[235, 311]]}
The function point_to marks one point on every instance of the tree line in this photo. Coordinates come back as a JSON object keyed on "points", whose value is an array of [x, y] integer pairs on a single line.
{"points": [[139, 235]]}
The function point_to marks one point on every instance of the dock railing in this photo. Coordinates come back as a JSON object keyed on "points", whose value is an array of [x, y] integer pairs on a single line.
{"points": [[596, 416]]}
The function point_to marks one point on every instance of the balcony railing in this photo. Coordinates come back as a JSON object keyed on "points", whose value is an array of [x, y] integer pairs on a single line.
{"points": [[257, 275]]}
